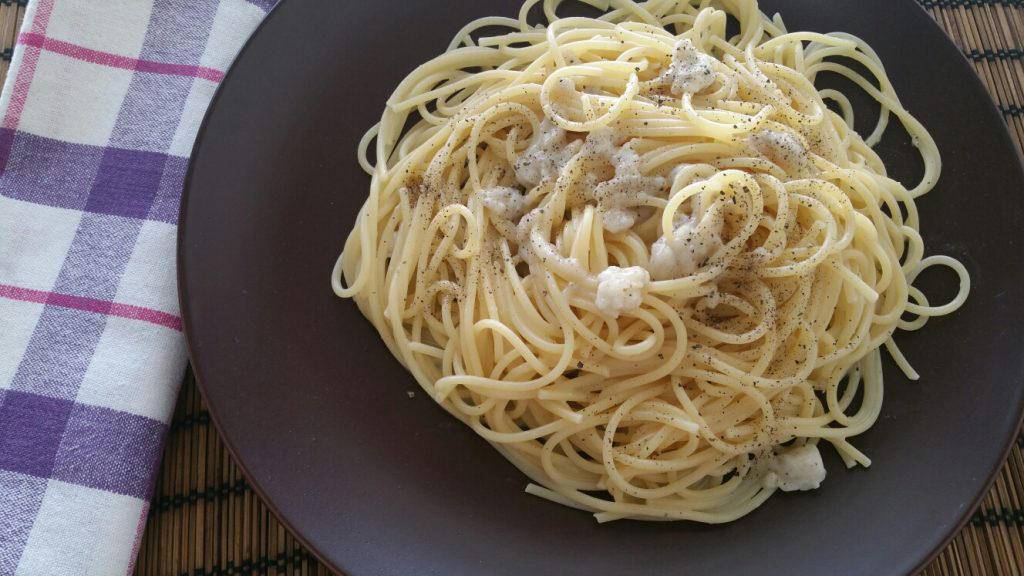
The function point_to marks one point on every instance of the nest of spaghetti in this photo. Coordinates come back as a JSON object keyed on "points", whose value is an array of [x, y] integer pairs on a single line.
{"points": [[642, 257]]}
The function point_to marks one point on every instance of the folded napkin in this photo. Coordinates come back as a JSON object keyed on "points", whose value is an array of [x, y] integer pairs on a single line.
{"points": [[99, 112]]}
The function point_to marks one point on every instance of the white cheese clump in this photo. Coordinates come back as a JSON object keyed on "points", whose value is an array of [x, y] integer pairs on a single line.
{"points": [[782, 148], [617, 220], [796, 469], [546, 155], [691, 244], [691, 70], [628, 188], [601, 143], [621, 289], [503, 201]]}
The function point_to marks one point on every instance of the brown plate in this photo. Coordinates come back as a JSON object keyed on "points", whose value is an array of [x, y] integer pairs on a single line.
{"points": [[315, 409]]}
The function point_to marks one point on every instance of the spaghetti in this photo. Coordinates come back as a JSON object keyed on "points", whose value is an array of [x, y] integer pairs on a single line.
{"points": [[640, 255]]}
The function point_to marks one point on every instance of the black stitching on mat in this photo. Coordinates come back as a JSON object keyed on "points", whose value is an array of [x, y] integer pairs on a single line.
{"points": [[258, 565], [993, 55], [1011, 110], [201, 418], [173, 502], [1006, 516]]}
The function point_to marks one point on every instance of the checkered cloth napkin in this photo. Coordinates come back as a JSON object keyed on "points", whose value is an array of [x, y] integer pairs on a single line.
{"points": [[99, 113]]}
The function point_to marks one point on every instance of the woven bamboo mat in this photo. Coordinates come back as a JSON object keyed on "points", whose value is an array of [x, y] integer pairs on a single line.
{"points": [[205, 520]]}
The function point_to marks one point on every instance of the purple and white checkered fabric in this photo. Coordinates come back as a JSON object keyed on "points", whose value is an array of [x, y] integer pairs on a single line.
{"points": [[99, 112]]}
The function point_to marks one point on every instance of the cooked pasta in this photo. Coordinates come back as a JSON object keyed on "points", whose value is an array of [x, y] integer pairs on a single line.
{"points": [[640, 255]]}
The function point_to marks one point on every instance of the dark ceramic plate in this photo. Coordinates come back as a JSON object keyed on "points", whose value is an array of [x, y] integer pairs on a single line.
{"points": [[316, 411]]}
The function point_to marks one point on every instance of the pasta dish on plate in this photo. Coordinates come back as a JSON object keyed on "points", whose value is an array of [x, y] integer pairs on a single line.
{"points": [[642, 254]]}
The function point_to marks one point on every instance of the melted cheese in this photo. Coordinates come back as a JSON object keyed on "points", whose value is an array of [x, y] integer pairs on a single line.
{"points": [[616, 220], [691, 70], [621, 289], [782, 148], [691, 244], [503, 201], [628, 188], [546, 155], [796, 469]]}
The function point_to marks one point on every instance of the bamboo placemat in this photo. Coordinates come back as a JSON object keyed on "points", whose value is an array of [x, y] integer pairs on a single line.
{"points": [[205, 520]]}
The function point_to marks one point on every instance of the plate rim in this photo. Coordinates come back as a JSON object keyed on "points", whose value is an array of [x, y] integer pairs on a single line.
{"points": [[184, 305], [962, 516]]}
